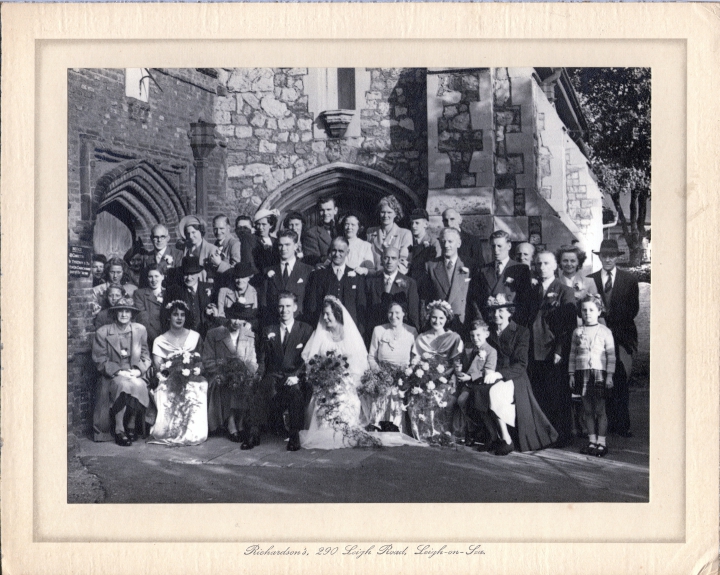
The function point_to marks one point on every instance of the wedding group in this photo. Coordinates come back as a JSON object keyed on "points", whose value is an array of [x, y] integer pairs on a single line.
{"points": [[334, 336]]}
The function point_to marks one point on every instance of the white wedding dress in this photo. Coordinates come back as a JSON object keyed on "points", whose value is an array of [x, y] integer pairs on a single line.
{"points": [[321, 434]]}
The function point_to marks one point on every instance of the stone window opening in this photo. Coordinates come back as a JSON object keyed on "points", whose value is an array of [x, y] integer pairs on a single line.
{"points": [[335, 97]]}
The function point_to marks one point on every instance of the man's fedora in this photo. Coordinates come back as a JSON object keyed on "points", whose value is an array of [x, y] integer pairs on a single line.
{"points": [[191, 265], [609, 248]]}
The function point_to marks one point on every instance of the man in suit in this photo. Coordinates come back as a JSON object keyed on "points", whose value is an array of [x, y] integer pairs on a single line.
{"points": [[279, 361], [149, 302], [553, 318], [424, 247], [164, 256], [471, 248], [505, 276], [524, 253], [289, 275], [227, 254], [316, 243], [196, 294], [340, 281], [448, 278], [386, 286], [621, 297], [245, 233]]}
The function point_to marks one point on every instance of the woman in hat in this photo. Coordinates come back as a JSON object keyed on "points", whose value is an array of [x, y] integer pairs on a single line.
{"points": [[241, 291], [266, 252], [388, 233], [511, 399], [192, 230], [120, 352], [360, 255], [105, 316], [234, 341], [181, 396]]}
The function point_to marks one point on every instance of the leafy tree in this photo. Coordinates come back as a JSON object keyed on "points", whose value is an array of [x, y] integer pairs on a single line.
{"points": [[616, 103]]}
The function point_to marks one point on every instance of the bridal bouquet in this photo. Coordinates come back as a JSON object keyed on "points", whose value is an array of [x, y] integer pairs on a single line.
{"points": [[177, 372], [427, 385], [328, 374], [380, 396], [235, 375]]}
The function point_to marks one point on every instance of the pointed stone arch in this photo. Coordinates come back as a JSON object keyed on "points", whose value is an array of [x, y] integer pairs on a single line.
{"points": [[349, 183]]}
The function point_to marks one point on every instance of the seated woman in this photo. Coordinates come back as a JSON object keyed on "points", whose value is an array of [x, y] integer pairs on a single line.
{"points": [[120, 352], [360, 255], [447, 346], [116, 273], [511, 398], [392, 343], [236, 341], [241, 292], [181, 398], [113, 295], [149, 300]]}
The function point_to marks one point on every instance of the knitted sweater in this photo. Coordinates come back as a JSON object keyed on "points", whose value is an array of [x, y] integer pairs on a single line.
{"points": [[595, 353]]}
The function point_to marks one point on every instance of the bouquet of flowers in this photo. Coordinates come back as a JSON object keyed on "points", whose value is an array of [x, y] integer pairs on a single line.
{"points": [[177, 372], [428, 387], [377, 389], [328, 374], [235, 375]]}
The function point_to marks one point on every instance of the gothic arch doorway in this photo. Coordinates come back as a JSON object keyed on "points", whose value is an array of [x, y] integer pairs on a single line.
{"points": [[354, 188], [129, 200]]}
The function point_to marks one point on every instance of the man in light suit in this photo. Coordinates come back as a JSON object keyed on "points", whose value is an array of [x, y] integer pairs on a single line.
{"points": [[388, 285], [340, 281], [621, 297], [289, 275], [227, 254], [505, 276], [448, 278], [316, 243]]}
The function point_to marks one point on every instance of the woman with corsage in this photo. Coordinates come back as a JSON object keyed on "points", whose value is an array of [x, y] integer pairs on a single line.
{"points": [[181, 395], [120, 352]]}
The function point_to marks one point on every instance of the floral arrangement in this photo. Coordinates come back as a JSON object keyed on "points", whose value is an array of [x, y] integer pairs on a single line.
{"points": [[235, 374], [328, 374], [377, 383], [177, 372]]}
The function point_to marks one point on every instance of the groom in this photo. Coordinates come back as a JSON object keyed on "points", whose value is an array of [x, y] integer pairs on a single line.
{"points": [[279, 361]]}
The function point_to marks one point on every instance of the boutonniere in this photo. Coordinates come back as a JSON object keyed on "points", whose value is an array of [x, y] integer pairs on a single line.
{"points": [[426, 244], [272, 335], [577, 286], [351, 274], [159, 298], [242, 299], [509, 280], [168, 259], [551, 294], [299, 346], [208, 291], [123, 353], [534, 282], [300, 280], [299, 255], [270, 273], [464, 270], [482, 355], [401, 283]]}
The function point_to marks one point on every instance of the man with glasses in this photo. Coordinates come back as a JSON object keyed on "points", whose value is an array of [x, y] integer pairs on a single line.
{"points": [[166, 257]]}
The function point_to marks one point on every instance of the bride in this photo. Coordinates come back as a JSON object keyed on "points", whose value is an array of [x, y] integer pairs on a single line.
{"points": [[337, 333]]}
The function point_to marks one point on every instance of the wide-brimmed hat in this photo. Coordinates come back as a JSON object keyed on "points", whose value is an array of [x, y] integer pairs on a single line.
{"points": [[243, 270], [609, 248], [196, 221], [264, 213], [191, 265], [240, 311], [124, 303], [499, 301], [419, 214]]}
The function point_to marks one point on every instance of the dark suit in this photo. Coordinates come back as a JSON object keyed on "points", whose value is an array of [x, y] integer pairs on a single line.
{"points": [[534, 431], [404, 289], [514, 278], [197, 302], [552, 318], [247, 244], [168, 270], [316, 244], [621, 307], [350, 290], [264, 256], [471, 250], [455, 290], [273, 284], [419, 254], [150, 309], [276, 363]]}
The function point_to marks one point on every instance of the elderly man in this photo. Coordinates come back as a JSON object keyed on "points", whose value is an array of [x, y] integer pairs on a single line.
{"points": [[448, 278], [524, 253], [227, 253], [338, 280], [424, 247], [471, 249], [316, 242], [196, 294], [503, 275], [389, 285], [166, 257], [621, 297]]}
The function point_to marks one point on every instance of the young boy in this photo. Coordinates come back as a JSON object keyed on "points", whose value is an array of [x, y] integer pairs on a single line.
{"points": [[470, 370]]}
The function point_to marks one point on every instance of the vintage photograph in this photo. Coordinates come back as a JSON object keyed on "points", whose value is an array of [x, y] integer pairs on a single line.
{"points": [[358, 285]]}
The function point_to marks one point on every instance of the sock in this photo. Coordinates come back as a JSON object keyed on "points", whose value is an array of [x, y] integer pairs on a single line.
{"points": [[593, 438], [601, 440]]}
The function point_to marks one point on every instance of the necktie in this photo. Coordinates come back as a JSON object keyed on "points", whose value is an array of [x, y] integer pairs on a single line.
{"points": [[338, 273], [608, 284], [285, 272], [283, 336], [497, 268], [388, 284], [449, 266]]}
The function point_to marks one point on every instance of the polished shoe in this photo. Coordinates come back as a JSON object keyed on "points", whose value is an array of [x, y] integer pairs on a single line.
{"points": [[294, 442], [505, 448], [235, 437], [252, 441], [122, 439], [601, 450], [132, 436]]}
